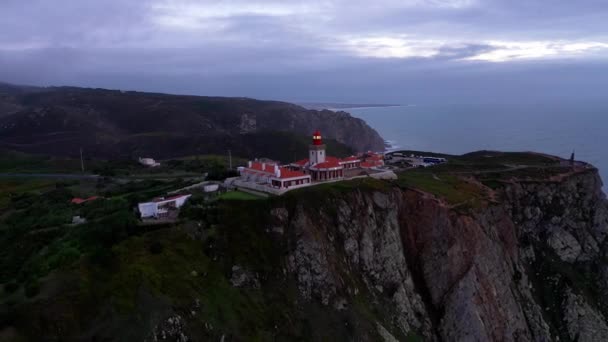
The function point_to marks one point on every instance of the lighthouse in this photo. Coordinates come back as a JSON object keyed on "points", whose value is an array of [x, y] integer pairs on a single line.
{"points": [[317, 149]]}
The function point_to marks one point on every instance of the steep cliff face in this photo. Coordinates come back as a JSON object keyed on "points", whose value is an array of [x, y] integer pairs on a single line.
{"points": [[530, 268]]}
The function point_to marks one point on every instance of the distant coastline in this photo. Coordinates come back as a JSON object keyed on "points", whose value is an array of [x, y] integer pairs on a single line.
{"points": [[341, 106]]}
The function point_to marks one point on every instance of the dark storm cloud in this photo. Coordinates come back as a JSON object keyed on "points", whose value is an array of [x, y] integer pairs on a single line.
{"points": [[305, 50]]}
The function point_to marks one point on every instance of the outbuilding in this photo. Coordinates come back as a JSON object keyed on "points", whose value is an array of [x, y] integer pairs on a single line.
{"points": [[162, 207]]}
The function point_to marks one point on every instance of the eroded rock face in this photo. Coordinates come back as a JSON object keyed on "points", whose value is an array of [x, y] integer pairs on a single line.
{"points": [[521, 270], [248, 123], [366, 241], [583, 322], [171, 329], [243, 278]]}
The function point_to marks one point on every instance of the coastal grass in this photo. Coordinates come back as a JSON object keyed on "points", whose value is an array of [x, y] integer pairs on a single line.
{"points": [[453, 189], [484, 160], [508, 158]]}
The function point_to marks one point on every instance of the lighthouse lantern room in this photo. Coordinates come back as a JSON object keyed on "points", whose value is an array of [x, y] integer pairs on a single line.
{"points": [[317, 149]]}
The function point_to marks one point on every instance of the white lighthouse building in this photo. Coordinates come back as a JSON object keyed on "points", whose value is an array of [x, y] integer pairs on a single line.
{"points": [[317, 149]]}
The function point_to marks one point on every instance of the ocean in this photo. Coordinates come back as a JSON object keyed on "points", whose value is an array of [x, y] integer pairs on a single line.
{"points": [[557, 129]]}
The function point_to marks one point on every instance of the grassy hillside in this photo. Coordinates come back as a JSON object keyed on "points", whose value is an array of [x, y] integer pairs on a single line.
{"points": [[111, 124]]}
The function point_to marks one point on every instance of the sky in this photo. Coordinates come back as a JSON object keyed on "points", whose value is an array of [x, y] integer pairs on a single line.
{"points": [[351, 51]]}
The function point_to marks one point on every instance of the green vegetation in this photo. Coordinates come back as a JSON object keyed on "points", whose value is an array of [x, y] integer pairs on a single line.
{"points": [[508, 158], [453, 189], [18, 162], [458, 181], [37, 235], [216, 167], [15, 187], [133, 124]]}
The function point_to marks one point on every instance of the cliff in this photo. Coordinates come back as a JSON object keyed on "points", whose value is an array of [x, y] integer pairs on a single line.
{"points": [[110, 123], [531, 268], [363, 260]]}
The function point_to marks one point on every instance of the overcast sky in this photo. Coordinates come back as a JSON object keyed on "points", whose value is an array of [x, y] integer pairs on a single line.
{"points": [[401, 51]]}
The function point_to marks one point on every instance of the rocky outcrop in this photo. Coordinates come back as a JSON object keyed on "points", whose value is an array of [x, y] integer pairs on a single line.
{"points": [[528, 268]]}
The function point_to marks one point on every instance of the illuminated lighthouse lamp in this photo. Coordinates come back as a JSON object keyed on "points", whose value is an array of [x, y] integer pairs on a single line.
{"points": [[316, 138]]}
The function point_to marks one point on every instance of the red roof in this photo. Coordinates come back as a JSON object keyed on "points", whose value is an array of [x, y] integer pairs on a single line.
{"points": [[264, 167], [350, 159], [328, 164], [301, 162], [287, 173], [78, 200]]}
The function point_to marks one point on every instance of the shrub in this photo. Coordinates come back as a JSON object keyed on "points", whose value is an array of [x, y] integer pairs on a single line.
{"points": [[156, 247], [32, 289], [11, 287], [102, 256]]}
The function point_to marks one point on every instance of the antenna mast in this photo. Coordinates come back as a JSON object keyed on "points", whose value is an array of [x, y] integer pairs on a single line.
{"points": [[81, 161]]}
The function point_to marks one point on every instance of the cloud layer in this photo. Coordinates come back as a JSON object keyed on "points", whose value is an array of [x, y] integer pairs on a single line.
{"points": [[89, 42]]}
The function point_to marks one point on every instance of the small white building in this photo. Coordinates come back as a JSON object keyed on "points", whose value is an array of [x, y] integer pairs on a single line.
{"points": [[161, 207], [148, 162], [211, 187]]}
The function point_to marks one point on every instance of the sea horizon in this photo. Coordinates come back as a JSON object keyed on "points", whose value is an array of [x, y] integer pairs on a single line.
{"points": [[557, 129]]}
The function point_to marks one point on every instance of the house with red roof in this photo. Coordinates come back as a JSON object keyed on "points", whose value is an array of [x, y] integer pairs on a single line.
{"points": [[273, 175]]}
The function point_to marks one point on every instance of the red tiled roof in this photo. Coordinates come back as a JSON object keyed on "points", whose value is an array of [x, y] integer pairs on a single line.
{"points": [[78, 200], [287, 173], [301, 162], [267, 167], [350, 159], [328, 164]]}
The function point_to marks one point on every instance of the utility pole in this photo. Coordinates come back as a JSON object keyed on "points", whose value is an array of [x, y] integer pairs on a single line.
{"points": [[81, 160], [230, 159]]}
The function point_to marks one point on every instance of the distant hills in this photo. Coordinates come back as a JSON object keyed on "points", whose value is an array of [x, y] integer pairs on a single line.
{"points": [[333, 106], [111, 123]]}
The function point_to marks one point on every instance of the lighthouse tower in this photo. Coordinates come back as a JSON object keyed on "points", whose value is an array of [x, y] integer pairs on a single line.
{"points": [[317, 149]]}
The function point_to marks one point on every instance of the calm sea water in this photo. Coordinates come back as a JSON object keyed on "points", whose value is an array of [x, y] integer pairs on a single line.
{"points": [[456, 129]]}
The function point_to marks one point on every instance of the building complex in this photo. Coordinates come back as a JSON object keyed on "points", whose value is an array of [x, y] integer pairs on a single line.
{"points": [[270, 176]]}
